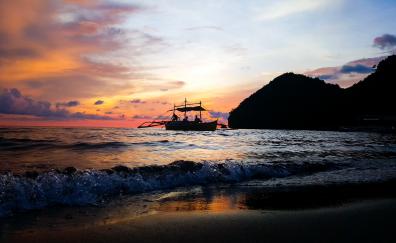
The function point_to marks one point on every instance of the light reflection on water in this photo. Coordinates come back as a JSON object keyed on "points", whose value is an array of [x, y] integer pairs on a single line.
{"points": [[45, 148]]}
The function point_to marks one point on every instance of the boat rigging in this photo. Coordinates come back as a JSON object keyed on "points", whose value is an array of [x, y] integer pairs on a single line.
{"points": [[175, 123]]}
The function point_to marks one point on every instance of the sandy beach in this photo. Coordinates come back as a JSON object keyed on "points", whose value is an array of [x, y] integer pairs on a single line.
{"points": [[222, 216], [370, 221]]}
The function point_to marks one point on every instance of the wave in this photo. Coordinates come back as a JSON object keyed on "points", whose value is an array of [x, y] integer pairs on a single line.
{"points": [[25, 144], [96, 145], [35, 190]]}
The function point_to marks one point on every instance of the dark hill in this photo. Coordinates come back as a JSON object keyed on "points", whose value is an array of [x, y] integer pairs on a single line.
{"points": [[376, 95], [294, 101]]}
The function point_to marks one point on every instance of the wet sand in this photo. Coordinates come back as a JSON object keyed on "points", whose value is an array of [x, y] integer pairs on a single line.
{"points": [[218, 215], [368, 221]]}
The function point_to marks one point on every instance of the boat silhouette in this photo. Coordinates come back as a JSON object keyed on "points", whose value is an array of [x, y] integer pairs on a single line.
{"points": [[175, 123]]}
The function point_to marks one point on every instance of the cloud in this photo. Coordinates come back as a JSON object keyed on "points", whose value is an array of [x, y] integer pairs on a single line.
{"points": [[279, 9], [137, 101], [17, 53], [359, 68], [13, 102], [385, 41], [218, 114], [142, 117], [71, 49], [68, 104], [236, 49], [146, 117], [99, 102], [327, 76], [77, 86], [205, 27], [347, 74], [161, 84], [161, 102], [369, 62]]}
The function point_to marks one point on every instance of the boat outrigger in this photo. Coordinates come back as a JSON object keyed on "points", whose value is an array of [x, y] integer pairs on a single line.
{"points": [[185, 125]]}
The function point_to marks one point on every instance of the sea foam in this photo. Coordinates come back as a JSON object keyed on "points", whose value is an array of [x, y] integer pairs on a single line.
{"points": [[35, 190]]}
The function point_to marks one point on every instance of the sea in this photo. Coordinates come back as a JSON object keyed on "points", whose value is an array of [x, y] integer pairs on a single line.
{"points": [[45, 166]]}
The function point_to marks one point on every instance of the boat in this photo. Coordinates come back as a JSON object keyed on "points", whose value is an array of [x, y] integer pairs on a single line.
{"points": [[175, 123]]}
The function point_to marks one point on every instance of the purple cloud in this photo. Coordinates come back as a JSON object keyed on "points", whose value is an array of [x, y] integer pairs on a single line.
{"points": [[13, 102], [385, 41], [347, 74], [68, 104], [218, 114], [137, 101], [356, 69], [99, 102], [18, 53], [327, 76], [141, 117]]}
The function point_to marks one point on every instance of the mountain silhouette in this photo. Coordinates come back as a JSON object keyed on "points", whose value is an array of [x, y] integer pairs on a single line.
{"points": [[295, 101]]}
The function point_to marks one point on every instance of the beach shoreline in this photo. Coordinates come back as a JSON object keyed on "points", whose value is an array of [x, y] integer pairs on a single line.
{"points": [[218, 214], [364, 221]]}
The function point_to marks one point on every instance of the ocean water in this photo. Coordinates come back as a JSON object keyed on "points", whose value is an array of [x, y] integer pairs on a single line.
{"points": [[114, 161]]}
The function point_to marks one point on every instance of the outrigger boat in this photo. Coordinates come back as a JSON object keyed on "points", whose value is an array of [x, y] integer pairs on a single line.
{"points": [[185, 125]]}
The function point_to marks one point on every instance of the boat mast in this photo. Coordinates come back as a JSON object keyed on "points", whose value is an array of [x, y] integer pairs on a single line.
{"points": [[185, 107], [200, 112]]}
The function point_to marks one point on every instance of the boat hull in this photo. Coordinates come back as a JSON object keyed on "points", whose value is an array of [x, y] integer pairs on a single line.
{"points": [[191, 126]]}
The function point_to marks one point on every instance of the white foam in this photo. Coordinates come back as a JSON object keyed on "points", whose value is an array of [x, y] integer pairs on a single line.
{"points": [[18, 193]]}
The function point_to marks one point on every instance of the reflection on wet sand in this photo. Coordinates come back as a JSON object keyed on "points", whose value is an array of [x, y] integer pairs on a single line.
{"points": [[215, 203], [203, 200]]}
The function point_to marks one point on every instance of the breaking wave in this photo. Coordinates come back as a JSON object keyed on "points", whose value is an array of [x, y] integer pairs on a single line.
{"points": [[35, 190]]}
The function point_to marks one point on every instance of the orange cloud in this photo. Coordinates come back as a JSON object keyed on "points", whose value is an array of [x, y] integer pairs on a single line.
{"points": [[56, 42]]}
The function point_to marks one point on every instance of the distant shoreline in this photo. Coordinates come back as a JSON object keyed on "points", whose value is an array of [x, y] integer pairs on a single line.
{"points": [[340, 129]]}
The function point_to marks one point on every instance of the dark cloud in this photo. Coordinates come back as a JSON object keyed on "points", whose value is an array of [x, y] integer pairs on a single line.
{"points": [[99, 102], [356, 69], [137, 101], [385, 41], [141, 117], [218, 114], [13, 102], [17, 53], [108, 112], [68, 104], [85, 116], [327, 76]]}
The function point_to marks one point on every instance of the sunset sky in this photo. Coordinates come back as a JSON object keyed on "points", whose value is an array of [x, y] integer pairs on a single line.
{"points": [[118, 63]]}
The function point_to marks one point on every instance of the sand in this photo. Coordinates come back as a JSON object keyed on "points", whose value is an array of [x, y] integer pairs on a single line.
{"points": [[362, 221]]}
